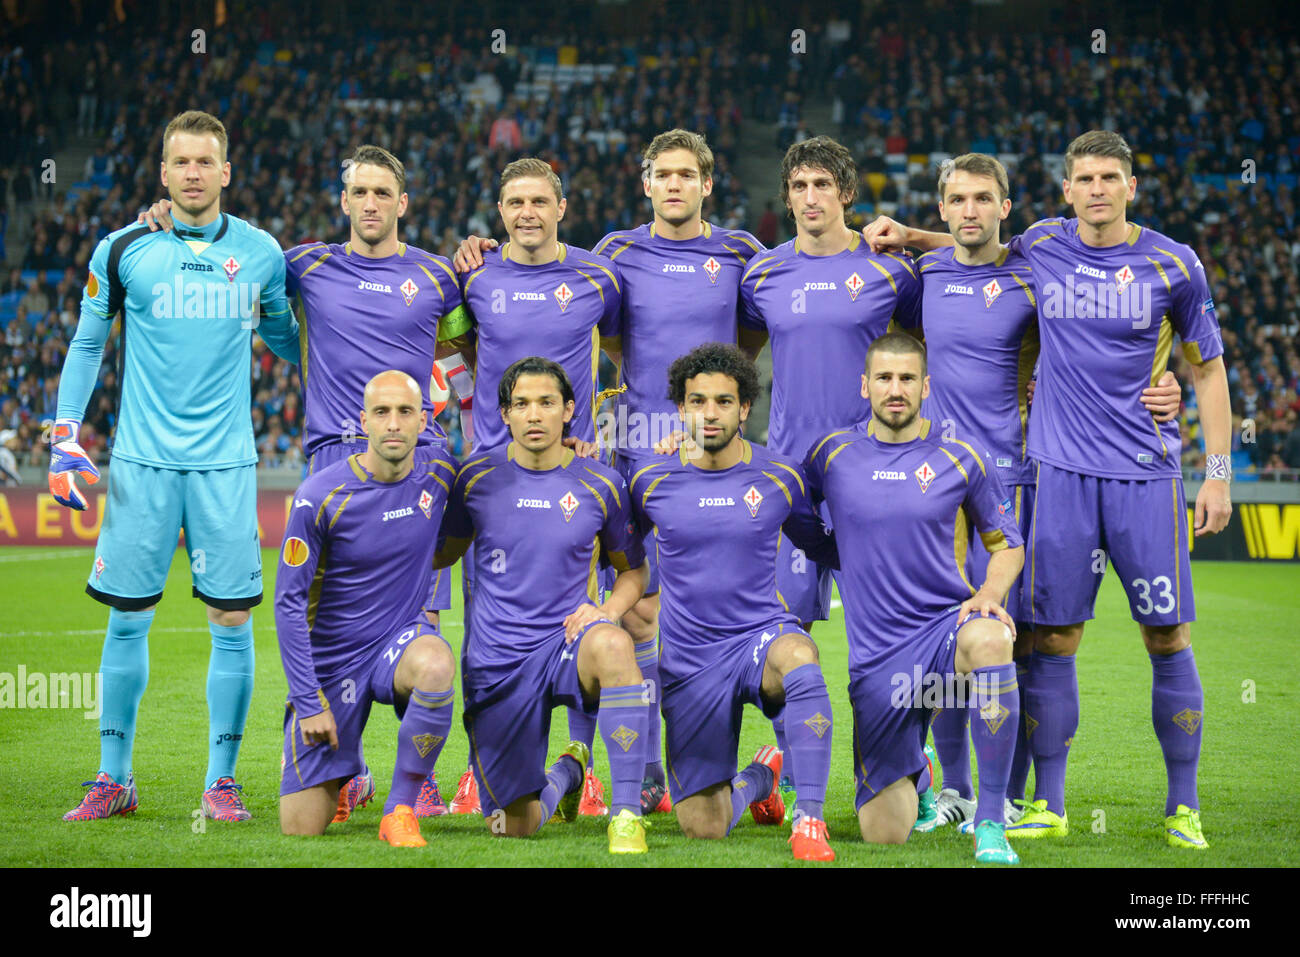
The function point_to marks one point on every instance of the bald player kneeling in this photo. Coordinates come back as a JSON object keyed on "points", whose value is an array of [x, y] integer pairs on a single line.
{"points": [[353, 576]]}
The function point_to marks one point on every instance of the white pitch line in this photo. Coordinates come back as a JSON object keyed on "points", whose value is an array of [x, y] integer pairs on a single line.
{"points": [[47, 556]]}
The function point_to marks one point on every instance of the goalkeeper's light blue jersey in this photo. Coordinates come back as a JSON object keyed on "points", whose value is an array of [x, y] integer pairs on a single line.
{"points": [[189, 298]]}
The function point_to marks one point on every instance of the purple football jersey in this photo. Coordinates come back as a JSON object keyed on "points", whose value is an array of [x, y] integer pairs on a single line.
{"points": [[717, 534], [908, 505], [539, 537], [1107, 317], [677, 294], [981, 340], [356, 564], [558, 311], [362, 317], [821, 313]]}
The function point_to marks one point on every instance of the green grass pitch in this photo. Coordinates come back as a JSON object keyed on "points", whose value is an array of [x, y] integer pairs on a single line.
{"points": [[1245, 647]]}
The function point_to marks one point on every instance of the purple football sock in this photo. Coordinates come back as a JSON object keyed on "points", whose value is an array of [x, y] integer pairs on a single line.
{"points": [[420, 738], [752, 784], [953, 748], [582, 727], [1051, 718], [1020, 763], [563, 776], [647, 659], [808, 730], [995, 713], [623, 719], [1177, 706]]}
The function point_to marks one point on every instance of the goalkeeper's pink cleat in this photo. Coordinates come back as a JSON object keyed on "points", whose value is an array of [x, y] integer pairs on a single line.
{"points": [[104, 799]]}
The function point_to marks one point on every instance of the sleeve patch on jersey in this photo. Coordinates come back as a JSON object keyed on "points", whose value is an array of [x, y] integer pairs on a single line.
{"points": [[92, 286], [295, 552]]}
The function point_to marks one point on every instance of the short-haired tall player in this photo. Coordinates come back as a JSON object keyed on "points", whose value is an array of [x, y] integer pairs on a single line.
{"points": [[183, 454], [1112, 295]]}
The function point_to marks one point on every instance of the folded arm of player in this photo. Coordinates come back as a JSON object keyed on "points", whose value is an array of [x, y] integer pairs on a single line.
{"points": [[885, 235], [1213, 501], [629, 586], [1004, 565], [277, 325]]}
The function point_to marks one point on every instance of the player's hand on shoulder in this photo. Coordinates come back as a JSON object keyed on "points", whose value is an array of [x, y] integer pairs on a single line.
{"points": [[158, 216], [986, 605], [671, 442], [580, 619], [885, 235], [1164, 399], [320, 729], [1213, 507], [469, 254], [582, 448]]}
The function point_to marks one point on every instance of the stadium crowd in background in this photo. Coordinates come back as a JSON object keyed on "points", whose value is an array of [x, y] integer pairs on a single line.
{"points": [[1196, 106]]}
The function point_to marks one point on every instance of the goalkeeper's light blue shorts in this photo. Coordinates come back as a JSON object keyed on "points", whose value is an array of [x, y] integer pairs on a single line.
{"points": [[148, 508]]}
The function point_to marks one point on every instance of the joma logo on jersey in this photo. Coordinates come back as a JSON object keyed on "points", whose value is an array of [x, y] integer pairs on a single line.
{"points": [[1081, 270], [715, 502], [818, 286], [398, 513], [196, 267], [366, 285], [533, 503], [529, 297], [678, 267], [197, 299], [957, 289], [888, 475]]}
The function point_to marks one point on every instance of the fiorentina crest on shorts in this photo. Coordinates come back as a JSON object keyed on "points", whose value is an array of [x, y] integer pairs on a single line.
{"points": [[425, 503], [563, 295], [408, 290], [753, 499], [854, 285], [991, 292], [1124, 277], [568, 505], [231, 266], [712, 267], [924, 475]]}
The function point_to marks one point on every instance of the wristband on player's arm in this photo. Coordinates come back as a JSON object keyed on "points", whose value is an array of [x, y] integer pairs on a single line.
{"points": [[1218, 467], [68, 460]]}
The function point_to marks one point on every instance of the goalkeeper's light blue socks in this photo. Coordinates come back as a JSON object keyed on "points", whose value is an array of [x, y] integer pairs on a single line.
{"points": [[230, 690], [125, 669]]}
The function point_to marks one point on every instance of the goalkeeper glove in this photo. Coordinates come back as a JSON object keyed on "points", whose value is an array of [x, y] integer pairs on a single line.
{"points": [[67, 458]]}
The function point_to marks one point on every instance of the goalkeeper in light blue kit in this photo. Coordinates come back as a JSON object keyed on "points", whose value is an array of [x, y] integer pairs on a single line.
{"points": [[183, 455]]}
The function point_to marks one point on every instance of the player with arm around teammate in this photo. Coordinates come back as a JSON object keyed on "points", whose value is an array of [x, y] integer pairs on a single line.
{"points": [[540, 519], [727, 637], [915, 622], [353, 576]]}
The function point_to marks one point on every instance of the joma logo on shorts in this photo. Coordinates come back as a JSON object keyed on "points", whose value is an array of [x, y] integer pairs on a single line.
{"points": [[886, 474], [399, 513], [533, 503], [708, 502]]}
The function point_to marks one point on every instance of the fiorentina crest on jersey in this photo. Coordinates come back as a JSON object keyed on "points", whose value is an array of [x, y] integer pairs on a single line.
{"points": [[753, 499], [231, 266], [409, 289], [426, 503], [568, 505], [991, 292], [924, 475], [854, 285], [712, 267], [563, 295], [1124, 277]]}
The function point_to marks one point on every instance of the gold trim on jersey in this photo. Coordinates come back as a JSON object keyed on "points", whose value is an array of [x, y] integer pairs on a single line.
{"points": [[794, 473], [1177, 262], [886, 273], [613, 489], [308, 250], [1178, 537], [593, 578], [306, 271], [823, 442], [901, 261], [339, 511], [604, 512], [957, 462], [1161, 270], [789, 499], [357, 468], [961, 545], [328, 498], [473, 481], [993, 541]]}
